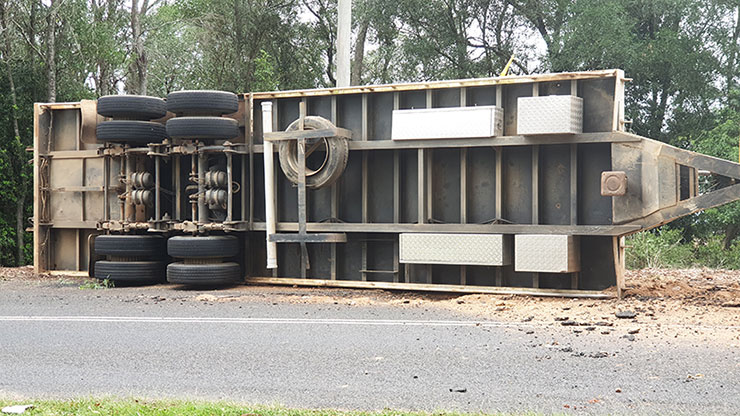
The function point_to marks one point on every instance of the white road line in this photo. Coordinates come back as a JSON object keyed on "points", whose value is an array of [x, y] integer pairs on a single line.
{"points": [[315, 321], [268, 321]]}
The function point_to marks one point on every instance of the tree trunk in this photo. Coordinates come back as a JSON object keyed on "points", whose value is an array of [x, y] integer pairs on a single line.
{"points": [[20, 230], [138, 69], [356, 75], [51, 67], [731, 233], [732, 58]]}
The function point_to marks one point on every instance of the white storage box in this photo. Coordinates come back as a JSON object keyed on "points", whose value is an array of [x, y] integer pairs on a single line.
{"points": [[550, 114], [547, 253], [447, 123], [470, 249]]}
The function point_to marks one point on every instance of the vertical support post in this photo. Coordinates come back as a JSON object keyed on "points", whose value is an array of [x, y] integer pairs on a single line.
{"points": [[364, 213], [618, 269], [193, 177], [421, 187], [270, 200], [230, 188], [364, 181], [129, 208], [176, 192], [499, 169], [202, 167], [106, 185], [397, 205], [396, 212], [334, 205], [574, 278], [499, 182], [535, 184], [305, 265], [463, 185], [157, 187]]}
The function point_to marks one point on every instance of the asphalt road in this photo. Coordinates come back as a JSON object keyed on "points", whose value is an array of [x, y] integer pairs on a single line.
{"points": [[57, 340]]}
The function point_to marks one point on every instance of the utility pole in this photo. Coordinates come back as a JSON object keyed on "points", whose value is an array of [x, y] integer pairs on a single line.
{"points": [[344, 27]]}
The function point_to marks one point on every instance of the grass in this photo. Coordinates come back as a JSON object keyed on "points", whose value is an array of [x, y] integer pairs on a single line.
{"points": [[139, 407], [98, 284]]}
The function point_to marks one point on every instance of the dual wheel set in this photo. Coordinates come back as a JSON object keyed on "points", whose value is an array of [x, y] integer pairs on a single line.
{"points": [[136, 120], [143, 259], [197, 116]]}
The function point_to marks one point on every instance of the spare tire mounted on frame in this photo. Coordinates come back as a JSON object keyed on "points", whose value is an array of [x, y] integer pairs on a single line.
{"points": [[330, 167]]}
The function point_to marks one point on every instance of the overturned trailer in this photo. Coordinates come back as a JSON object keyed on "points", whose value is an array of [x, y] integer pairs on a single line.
{"points": [[517, 184]]}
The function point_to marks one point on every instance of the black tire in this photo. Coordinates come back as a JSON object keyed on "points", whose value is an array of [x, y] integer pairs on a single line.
{"points": [[129, 131], [214, 246], [202, 103], [337, 149], [130, 245], [214, 274], [134, 272], [205, 128], [134, 107]]}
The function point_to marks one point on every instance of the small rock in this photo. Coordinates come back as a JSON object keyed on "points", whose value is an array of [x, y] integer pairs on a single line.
{"points": [[625, 314], [206, 298], [463, 390], [500, 309], [633, 331], [566, 349], [416, 376], [17, 409], [561, 318], [606, 332], [406, 301], [530, 332], [618, 390], [568, 323], [600, 354], [459, 301], [590, 328], [528, 319], [629, 337], [577, 331], [603, 323]]}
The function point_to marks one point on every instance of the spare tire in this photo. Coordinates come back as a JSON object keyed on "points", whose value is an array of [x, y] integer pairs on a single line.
{"points": [[136, 272], [212, 246], [205, 128], [135, 107], [130, 245], [129, 131], [337, 149], [204, 274], [202, 103]]}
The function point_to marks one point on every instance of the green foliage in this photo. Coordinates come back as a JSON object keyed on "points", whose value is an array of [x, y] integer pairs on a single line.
{"points": [[666, 248], [659, 248], [98, 284]]}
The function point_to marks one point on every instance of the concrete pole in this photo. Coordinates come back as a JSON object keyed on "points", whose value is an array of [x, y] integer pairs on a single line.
{"points": [[344, 28]]}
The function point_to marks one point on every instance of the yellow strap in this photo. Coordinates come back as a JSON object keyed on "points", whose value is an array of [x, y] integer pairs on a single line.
{"points": [[505, 72]]}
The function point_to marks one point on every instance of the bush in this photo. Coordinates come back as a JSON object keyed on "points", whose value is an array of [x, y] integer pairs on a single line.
{"points": [[658, 248], [665, 248]]}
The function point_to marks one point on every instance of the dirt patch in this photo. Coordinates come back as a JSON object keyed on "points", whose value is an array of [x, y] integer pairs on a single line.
{"points": [[694, 286], [697, 302], [20, 273]]}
